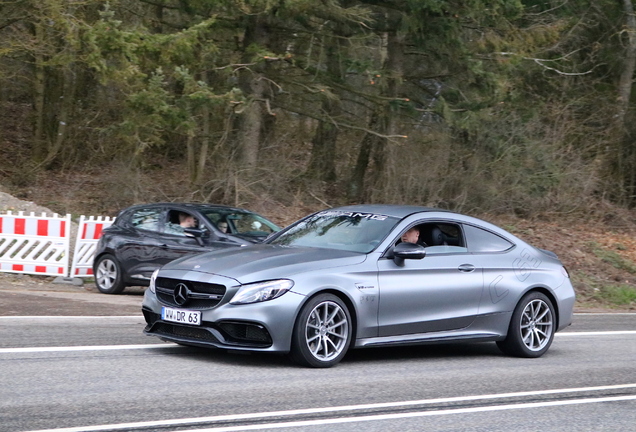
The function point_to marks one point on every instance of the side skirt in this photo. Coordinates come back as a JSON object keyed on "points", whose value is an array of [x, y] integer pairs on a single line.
{"points": [[485, 328]]}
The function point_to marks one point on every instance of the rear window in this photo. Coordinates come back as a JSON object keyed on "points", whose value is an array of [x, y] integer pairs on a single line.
{"points": [[146, 219], [480, 240]]}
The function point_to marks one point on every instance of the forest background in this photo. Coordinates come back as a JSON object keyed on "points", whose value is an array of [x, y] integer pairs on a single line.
{"points": [[517, 111]]}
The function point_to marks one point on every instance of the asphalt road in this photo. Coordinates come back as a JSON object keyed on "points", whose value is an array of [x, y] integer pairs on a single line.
{"points": [[72, 359]]}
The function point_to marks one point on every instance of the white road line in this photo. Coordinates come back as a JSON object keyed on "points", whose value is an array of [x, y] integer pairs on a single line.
{"points": [[170, 345], [310, 411], [604, 313], [597, 333], [412, 414], [85, 348], [67, 317]]}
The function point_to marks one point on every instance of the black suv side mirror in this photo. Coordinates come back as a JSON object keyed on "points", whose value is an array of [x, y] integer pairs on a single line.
{"points": [[404, 251], [197, 233]]}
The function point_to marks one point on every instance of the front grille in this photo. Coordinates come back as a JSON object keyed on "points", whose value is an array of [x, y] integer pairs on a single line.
{"points": [[235, 334], [201, 295], [196, 333]]}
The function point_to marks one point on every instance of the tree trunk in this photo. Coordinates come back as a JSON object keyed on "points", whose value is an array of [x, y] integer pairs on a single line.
{"points": [[250, 125], [627, 74], [205, 146], [254, 86], [197, 156], [157, 26], [356, 186], [383, 121], [322, 164], [60, 124], [626, 155], [190, 157], [39, 141]]}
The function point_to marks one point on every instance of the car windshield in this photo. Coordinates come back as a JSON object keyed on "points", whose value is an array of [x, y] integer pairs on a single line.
{"points": [[241, 222], [355, 232]]}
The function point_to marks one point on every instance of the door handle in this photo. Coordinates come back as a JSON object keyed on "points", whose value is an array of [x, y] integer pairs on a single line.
{"points": [[466, 268]]}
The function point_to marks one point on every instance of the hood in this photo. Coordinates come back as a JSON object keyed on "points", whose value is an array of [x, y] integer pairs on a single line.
{"points": [[264, 261]]}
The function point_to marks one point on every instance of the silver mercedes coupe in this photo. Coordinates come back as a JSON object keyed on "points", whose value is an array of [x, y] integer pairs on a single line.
{"points": [[365, 276]]}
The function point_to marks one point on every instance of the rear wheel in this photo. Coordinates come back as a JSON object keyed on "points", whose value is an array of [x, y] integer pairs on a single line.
{"points": [[322, 333], [532, 327], [108, 277]]}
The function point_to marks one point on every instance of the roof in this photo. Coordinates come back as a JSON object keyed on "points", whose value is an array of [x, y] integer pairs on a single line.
{"points": [[399, 211], [188, 205]]}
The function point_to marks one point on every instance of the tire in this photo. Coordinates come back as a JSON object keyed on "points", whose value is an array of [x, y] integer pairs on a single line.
{"points": [[108, 277], [322, 333], [532, 327]]}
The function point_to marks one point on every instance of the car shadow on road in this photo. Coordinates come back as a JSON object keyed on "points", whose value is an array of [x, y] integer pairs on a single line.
{"points": [[446, 352], [423, 352], [128, 291], [228, 357]]}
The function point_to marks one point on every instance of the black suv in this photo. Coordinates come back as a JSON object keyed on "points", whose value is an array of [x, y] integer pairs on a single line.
{"points": [[144, 237]]}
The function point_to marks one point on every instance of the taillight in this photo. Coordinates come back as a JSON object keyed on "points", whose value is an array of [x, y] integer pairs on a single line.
{"points": [[565, 272]]}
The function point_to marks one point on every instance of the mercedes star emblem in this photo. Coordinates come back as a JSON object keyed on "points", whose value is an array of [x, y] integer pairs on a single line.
{"points": [[180, 294]]}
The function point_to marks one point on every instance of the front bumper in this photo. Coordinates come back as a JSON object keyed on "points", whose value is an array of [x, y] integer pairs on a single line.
{"points": [[237, 334], [265, 326]]}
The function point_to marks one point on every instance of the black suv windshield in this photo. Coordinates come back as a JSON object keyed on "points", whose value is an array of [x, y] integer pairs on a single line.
{"points": [[241, 222]]}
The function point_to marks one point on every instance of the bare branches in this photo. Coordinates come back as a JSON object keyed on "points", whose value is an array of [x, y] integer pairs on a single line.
{"points": [[542, 63], [339, 123]]}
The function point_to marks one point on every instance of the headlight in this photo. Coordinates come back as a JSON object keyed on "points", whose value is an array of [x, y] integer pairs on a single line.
{"points": [[262, 291], [153, 278]]}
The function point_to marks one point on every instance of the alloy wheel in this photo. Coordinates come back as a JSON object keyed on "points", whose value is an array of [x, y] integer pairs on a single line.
{"points": [[536, 325], [327, 330], [106, 274]]}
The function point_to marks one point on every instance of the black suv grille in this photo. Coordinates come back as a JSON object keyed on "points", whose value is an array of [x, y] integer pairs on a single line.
{"points": [[200, 295]]}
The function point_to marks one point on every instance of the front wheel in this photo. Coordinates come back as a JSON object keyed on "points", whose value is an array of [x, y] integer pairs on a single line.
{"points": [[532, 327], [322, 333], [108, 277]]}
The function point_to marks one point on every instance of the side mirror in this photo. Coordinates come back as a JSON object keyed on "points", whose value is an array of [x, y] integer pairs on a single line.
{"points": [[197, 233], [404, 251]]}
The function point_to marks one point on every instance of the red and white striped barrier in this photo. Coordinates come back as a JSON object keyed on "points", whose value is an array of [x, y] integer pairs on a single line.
{"points": [[34, 244], [88, 234]]}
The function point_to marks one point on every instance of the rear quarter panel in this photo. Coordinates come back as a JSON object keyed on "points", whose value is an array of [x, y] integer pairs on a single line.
{"points": [[508, 276]]}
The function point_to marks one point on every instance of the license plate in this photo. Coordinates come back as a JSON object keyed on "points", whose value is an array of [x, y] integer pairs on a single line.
{"points": [[181, 316]]}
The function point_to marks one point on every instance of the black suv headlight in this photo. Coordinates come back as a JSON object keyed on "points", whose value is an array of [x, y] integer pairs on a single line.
{"points": [[153, 279]]}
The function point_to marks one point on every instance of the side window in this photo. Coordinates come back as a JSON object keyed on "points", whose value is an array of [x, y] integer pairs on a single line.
{"points": [[480, 240], [442, 237], [178, 220], [220, 221], [441, 234], [146, 219]]}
